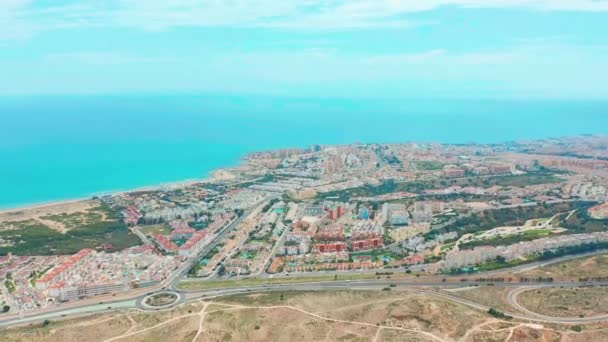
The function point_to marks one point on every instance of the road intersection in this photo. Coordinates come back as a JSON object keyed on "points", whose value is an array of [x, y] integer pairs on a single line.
{"points": [[434, 286]]}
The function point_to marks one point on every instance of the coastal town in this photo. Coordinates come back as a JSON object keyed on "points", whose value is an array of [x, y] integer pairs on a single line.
{"points": [[417, 208]]}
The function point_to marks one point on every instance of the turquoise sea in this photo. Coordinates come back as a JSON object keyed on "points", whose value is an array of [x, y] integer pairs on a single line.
{"points": [[55, 148]]}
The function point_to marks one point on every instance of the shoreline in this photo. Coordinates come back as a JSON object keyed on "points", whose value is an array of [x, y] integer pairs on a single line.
{"points": [[52, 203], [185, 182]]}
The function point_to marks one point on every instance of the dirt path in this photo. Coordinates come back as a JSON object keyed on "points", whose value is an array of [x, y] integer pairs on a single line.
{"points": [[377, 336], [511, 329], [289, 307], [477, 328], [125, 335], [202, 314], [133, 323]]}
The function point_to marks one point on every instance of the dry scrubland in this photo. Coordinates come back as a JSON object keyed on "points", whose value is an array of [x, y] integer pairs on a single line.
{"points": [[60, 217], [306, 316], [490, 296], [566, 302], [61, 229], [596, 266]]}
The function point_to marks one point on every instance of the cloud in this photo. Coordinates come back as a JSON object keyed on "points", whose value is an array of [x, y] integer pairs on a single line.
{"points": [[552, 70], [20, 18], [11, 24]]}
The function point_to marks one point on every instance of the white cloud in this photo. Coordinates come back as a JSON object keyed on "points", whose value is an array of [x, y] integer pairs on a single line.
{"points": [[313, 14], [11, 24], [18, 18], [523, 71]]}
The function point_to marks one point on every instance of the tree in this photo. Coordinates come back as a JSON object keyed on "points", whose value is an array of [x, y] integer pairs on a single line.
{"points": [[282, 296], [6, 308]]}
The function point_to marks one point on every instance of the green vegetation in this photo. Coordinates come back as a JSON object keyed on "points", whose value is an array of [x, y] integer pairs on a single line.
{"points": [[10, 285], [527, 235], [33, 238], [213, 284], [204, 260], [581, 222], [246, 255], [77, 219], [499, 314], [265, 179], [573, 250], [547, 255], [489, 219], [531, 178], [6, 308], [156, 229], [576, 328], [428, 165], [270, 204], [447, 246], [376, 255], [370, 190], [161, 299], [501, 263]]}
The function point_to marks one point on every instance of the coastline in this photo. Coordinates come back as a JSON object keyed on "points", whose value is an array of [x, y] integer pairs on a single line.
{"points": [[52, 203]]}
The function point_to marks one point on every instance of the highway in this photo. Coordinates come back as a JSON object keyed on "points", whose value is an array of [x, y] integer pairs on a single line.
{"points": [[427, 288], [513, 301], [419, 285]]}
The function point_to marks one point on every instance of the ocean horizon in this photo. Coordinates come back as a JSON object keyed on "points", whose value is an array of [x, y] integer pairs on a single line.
{"points": [[56, 148]]}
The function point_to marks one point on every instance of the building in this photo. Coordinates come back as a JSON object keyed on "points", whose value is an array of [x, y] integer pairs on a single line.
{"points": [[66, 293], [131, 215], [364, 213], [193, 244], [453, 172], [399, 218], [330, 247], [165, 244], [182, 233], [362, 245], [476, 256], [58, 272], [481, 170], [500, 168], [313, 210]]}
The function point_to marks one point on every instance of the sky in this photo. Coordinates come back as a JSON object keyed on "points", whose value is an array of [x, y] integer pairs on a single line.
{"points": [[465, 49]]}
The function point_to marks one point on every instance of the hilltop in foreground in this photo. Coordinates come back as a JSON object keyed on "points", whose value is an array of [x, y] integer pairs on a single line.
{"points": [[303, 316]]}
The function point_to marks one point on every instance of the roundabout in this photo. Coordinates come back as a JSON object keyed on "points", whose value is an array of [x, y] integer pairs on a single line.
{"points": [[160, 300]]}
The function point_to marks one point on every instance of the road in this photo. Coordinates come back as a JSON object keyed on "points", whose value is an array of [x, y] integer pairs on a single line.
{"points": [[189, 263], [397, 285], [182, 272], [130, 300], [513, 301], [141, 235], [515, 269]]}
